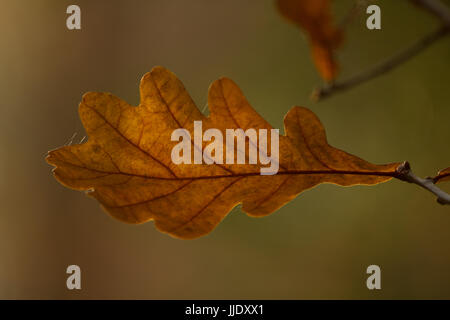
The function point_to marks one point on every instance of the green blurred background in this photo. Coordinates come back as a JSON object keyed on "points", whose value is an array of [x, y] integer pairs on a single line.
{"points": [[317, 246]]}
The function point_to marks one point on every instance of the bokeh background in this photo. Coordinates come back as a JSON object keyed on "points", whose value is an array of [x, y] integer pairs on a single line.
{"points": [[317, 246]]}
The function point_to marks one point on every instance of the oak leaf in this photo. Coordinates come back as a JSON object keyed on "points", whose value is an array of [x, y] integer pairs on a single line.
{"points": [[443, 175], [314, 17], [126, 162]]}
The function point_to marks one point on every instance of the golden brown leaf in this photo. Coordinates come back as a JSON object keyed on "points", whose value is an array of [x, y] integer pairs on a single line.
{"points": [[126, 163], [443, 175], [314, 17]]}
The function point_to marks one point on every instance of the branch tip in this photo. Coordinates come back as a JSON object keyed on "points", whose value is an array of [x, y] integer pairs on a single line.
{"points": [[404, 173]]}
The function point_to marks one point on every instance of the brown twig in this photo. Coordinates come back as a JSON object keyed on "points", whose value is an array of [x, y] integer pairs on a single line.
{"points": [[405, 173], [436, 8]]}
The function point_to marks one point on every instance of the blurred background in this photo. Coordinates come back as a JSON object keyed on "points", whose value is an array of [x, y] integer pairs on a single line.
{"points": [[317, 246]]}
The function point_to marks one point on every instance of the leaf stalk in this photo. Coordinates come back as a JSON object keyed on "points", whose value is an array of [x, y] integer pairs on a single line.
{"points": [[405, 173]]}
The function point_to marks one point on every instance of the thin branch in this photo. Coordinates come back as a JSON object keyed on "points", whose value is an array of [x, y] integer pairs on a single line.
{"points": [[378, 70], [436, 8], [405, 173]]}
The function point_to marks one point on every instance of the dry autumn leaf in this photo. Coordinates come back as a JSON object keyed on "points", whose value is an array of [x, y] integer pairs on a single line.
{"points": [[314, 17], [126, 163], [443, 175]]}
